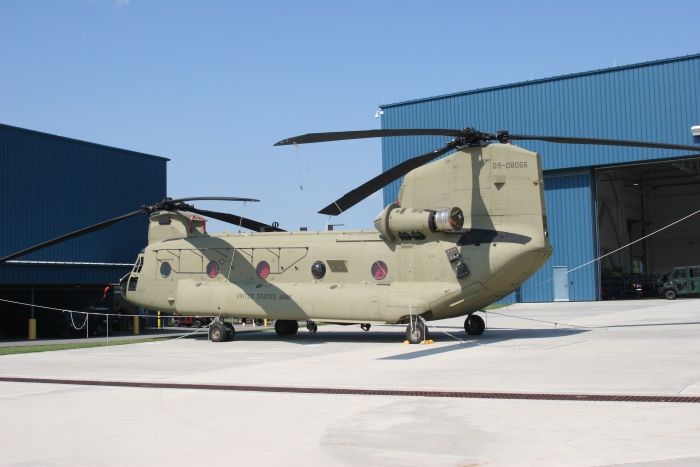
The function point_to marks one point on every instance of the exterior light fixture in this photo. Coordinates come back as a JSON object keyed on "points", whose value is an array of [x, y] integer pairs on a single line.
{"points": [[381, 112], [695, 130]]}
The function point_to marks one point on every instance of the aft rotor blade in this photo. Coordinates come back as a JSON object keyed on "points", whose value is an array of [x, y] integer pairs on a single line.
{"points": [[238, 220], [345, 135], [212, 198], [70, 236], [604, 142], [380, 181]]}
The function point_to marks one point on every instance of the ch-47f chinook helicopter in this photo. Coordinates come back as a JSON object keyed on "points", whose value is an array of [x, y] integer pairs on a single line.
{"points": [[465, 231]]}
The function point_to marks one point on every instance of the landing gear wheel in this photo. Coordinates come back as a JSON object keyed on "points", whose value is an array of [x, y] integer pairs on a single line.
{"points": [[416, 332], [366, 326], [670, 294], [197, 323], [230, 331], [311, 326], [474, 325], [281, 327], [217, 332], [285, 327]]}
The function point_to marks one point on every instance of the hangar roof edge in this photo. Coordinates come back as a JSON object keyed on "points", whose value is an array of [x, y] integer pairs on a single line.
{"points": [[544, 80], [2, 125]]}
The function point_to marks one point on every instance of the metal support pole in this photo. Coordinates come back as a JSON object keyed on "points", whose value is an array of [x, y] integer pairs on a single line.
{"points": [[32, 320], [136, 325]]}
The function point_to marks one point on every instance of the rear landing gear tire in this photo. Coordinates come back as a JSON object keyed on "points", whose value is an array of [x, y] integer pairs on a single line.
{"points": [[217, 332], [416, 332], [670, 295], [474, 325], [285, 327], [230, 331]]}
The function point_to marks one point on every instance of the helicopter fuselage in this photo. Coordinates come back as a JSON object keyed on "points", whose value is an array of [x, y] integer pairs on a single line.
{"points": [[406, 267]]}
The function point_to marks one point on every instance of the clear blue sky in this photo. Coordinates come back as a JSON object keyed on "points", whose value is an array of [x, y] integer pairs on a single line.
{"points": [[213, 85]]}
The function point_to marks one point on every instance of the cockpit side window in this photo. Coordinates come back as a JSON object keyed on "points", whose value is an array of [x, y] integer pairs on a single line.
{"points": [[138, 265]]}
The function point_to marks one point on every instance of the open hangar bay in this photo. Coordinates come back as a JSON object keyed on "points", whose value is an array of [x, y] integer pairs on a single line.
{"points": [[616, 382], [598, 198]]}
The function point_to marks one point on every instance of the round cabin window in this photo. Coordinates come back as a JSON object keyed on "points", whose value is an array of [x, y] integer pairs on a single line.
{"points": [[263, 269], [318, 270], [212, 269], [379, 270], [165, 269]]}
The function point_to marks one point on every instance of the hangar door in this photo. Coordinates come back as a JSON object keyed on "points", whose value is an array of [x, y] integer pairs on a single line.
{"points": [[635, 200]]}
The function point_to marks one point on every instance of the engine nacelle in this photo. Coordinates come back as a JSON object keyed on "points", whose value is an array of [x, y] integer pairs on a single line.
{"points": [[416, 223]]}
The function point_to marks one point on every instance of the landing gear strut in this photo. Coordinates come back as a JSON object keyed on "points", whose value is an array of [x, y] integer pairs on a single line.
{"points": [[311, 326], [366, 326], [474, 325]]}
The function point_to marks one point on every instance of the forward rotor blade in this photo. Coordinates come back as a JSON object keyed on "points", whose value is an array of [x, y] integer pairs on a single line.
{"points": [[70, 236], [344, 135], [238, 220], [604, 142], [380, 181], [211, 198]]}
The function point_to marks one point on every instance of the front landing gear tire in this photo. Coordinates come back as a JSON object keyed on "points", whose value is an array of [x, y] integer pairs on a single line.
{"points": [[366, 326], [217, 332], [474, 325], [284, 327], [230, 331], [416, 332]]}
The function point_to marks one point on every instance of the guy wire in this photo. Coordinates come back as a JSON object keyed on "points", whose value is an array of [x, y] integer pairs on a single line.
{"points": [[615, 251], [299, 151]]}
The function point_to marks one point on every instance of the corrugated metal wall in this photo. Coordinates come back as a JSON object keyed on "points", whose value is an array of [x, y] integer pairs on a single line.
{"points": [[655, 101], [52, 185]]}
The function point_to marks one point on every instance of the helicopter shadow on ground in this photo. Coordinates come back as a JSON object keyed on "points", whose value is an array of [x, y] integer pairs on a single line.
{"points": [[461, 340], [493, 337]]}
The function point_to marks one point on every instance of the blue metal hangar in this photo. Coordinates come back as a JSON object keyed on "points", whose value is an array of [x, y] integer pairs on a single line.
{"points": [[599, 198], [51, 186]]}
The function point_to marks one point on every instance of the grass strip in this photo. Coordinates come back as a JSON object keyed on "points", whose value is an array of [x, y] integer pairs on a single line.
{"points": [[11, 350], [78, 345]]}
